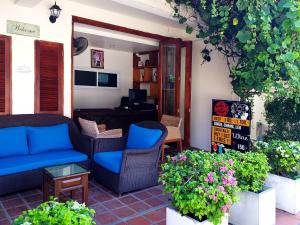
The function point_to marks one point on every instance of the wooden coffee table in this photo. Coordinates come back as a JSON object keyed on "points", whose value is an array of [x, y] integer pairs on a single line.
{"points": [[68, 177]]}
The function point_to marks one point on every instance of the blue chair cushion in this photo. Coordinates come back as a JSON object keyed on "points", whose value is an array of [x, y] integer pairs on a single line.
{"points": [[13, 141], [48, 138], [109, 160], [23, 163], [141, 138]]}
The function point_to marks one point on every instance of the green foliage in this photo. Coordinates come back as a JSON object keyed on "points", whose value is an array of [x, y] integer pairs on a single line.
{"points": [[54, 213], [283, 156], [283, 117], [251, 169], [202, 184], [260, 39]]}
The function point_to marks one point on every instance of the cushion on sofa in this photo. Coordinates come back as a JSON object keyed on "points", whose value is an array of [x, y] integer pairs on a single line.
{"points": [[109, 160], [23, 163], [141, 138], [13, 141], [48, 138], [89, 127]]}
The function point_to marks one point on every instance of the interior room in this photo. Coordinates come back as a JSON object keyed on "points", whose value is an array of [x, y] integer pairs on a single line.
{"points": [[122, 87]]}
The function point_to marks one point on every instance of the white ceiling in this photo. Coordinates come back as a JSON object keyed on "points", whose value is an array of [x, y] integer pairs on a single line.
{"points": [[154, 10], [116, 44]]}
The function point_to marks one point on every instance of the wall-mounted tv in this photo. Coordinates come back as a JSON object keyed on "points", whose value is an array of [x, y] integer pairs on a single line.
{"points": [[96, 79], [107, 79], [85, 78]]}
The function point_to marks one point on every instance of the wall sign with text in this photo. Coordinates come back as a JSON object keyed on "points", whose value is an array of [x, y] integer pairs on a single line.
{"points": [[231, 124]]}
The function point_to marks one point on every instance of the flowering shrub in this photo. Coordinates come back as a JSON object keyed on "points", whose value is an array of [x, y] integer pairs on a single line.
{"points": [[251, 169], [202, 184], [284, 157], [53, 213]]}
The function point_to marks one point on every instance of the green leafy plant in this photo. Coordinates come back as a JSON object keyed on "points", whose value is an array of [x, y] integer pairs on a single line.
{"points": [[259, 38], [54, 213], [283, 118], [283, 156], [202, 184], [251, 169]]}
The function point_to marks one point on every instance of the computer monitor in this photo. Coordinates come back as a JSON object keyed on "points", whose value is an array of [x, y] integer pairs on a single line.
{"points": [[137, 95]]}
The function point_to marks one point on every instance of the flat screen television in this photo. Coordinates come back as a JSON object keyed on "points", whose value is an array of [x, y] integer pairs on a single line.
{"points": [[85, 78], [137, 95], [107, 79]]}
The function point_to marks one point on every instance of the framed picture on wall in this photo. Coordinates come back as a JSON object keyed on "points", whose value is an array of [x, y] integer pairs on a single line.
{"points": [[97, 59]]}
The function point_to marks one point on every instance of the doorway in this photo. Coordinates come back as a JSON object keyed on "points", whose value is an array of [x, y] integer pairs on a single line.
{"points": [[174, 72]]}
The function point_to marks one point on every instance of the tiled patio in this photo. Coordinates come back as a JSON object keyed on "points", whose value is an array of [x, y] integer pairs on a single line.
{"points": [[138, 208]]}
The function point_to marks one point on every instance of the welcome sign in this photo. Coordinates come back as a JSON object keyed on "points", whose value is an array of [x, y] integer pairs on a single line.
{"points": [[231, 124], [26, 29]]}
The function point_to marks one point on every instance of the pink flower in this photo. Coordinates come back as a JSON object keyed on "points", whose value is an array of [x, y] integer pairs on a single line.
{"points": [[224, 208], [230, 161], [224, 180], [232, 181], [213, 197], [221, 188], [206, 179], [230, 172], [223, 169], [183, 158], [211, 177], [174, 158]]}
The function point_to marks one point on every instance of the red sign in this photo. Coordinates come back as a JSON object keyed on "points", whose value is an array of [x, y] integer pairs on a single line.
{"points": [[221, 108]]}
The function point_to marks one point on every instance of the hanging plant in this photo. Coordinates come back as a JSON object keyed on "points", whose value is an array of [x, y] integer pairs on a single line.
{"points": [[259, 38]]}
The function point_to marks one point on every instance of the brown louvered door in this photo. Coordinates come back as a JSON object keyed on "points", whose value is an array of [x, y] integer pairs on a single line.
{"points": [[5, 75], [49, 76]]}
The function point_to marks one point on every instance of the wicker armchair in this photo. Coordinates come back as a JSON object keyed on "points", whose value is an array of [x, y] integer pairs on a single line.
{"points": [[139, 167]]}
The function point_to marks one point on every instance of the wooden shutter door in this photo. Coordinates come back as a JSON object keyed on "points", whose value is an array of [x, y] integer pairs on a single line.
{"points": [[5, 75], [49, 76]]}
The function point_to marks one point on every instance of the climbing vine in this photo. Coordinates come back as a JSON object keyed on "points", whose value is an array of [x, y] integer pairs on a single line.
{"points": [[259, 38]]}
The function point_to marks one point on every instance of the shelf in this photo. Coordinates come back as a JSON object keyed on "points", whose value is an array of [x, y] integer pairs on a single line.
{"points": [[145, 67], [146, 82]]}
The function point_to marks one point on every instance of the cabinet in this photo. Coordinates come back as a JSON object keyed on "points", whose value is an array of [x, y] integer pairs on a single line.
{"points": [[145, 74]]}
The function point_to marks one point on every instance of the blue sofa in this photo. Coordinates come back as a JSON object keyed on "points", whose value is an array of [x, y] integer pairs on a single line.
{"points": [[28, 143]]}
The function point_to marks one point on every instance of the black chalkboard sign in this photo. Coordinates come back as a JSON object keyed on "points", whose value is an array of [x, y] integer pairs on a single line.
{"points": [[231, 124]]}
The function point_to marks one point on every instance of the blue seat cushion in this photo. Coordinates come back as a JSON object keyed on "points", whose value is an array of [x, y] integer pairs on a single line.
{"points": [[109, 160], [141, 138], [23, 163], [48, 138], [13, 141]]}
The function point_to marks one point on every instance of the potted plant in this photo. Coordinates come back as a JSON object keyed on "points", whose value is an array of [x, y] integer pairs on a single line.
{"points": [[53, 212], [203, 188], [284, 159], [256, 205]]}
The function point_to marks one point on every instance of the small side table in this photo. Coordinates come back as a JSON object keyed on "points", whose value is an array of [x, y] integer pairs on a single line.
{"points": [[68, 177]]}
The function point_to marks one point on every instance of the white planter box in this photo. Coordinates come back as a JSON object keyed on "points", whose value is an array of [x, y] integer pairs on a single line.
{"points": [[254, 208], [287, 192], [175, 218]]}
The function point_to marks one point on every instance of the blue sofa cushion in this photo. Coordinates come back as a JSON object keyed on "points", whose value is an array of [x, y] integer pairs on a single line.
{"points": [[141, 138], [13, 141], [48, 138], [109, 160], [23, 163]]}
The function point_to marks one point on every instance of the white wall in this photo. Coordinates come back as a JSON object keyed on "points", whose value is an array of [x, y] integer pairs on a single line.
{"points": [[97, 97], [258, 116], [209, 81]]}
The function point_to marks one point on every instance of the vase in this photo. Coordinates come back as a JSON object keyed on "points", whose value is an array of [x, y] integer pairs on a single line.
{"points": [[175, 218], [254, 208], [287, 192]]}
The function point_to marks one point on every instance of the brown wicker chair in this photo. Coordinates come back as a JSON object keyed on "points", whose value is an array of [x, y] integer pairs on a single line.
{"points": [[139, 167]]}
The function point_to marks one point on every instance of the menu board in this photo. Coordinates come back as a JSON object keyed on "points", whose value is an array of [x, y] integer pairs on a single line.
{"points": [[231, 123]]}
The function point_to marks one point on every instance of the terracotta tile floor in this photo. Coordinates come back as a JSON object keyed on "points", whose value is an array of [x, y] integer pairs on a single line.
{"points": [[143, 207]]}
